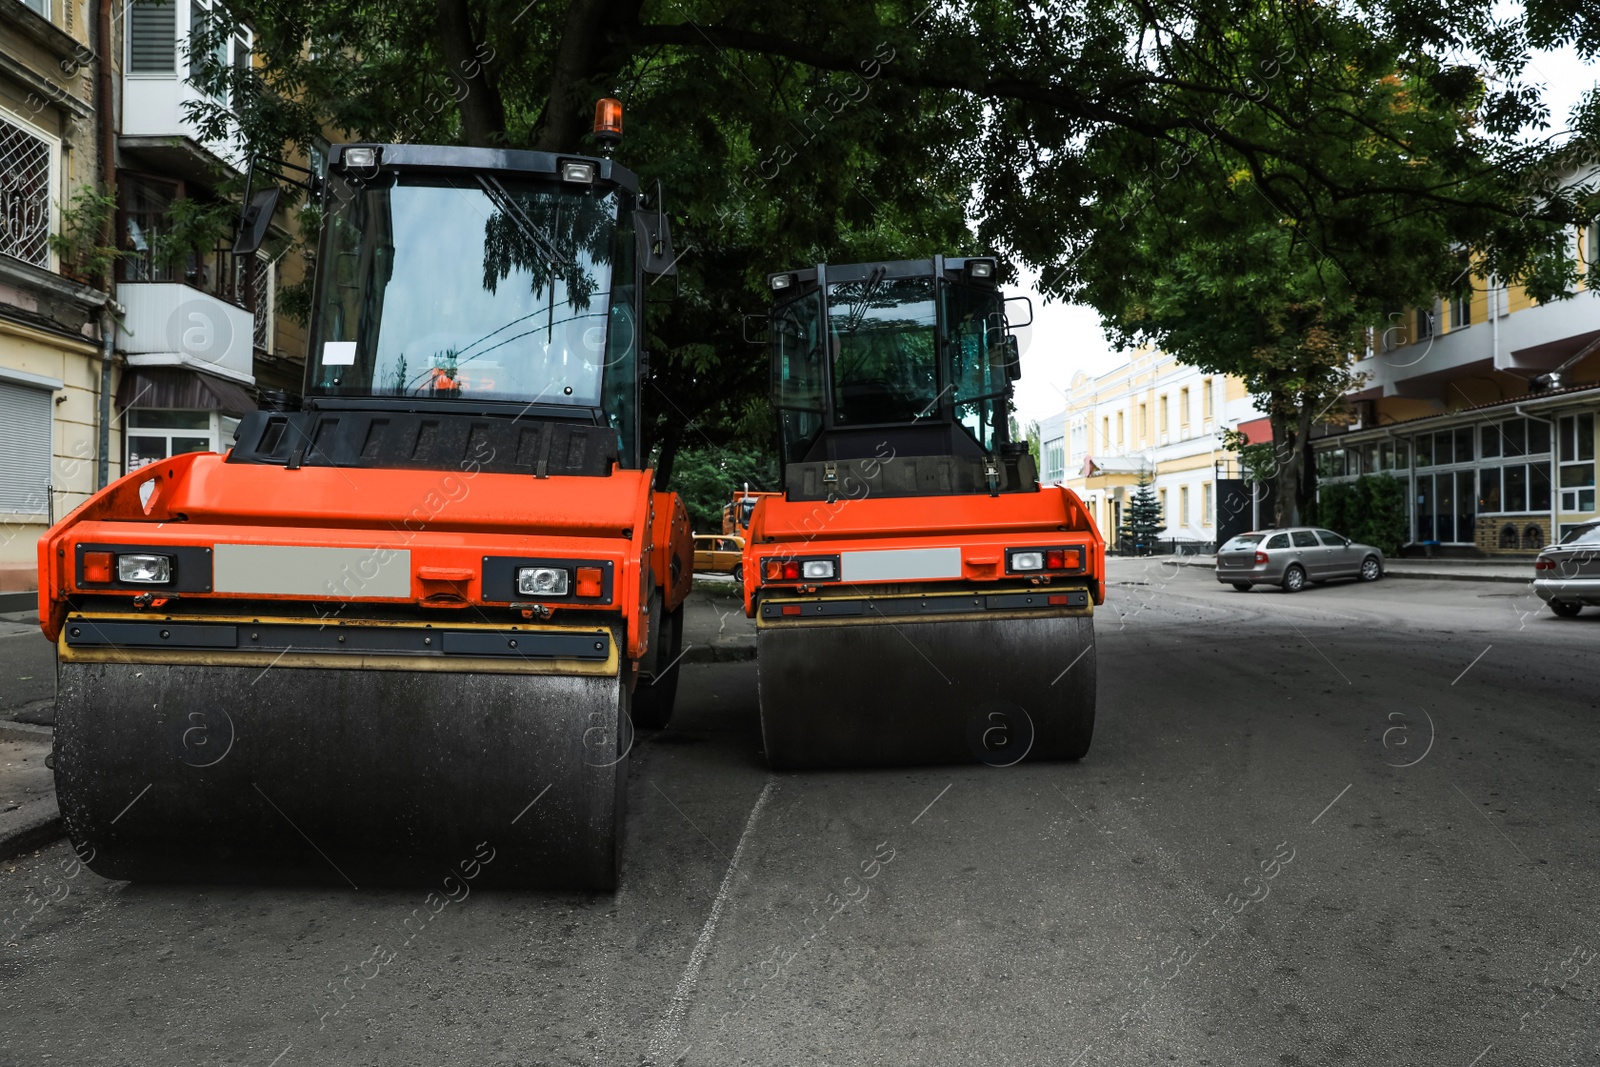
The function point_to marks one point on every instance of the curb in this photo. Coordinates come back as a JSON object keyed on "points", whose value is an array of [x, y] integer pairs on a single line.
{"points": [[25, 731], [1438, 576], [721, 651], [19, 602], [34, 825]]}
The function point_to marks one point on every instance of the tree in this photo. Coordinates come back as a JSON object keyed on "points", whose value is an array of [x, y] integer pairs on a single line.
{"points": [[1142, 519], [707, 478], [788, 134], [1371, 509]]}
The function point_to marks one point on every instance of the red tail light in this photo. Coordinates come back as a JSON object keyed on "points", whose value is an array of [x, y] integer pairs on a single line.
{"points": [[791, 570], [1261, 557], [1055, 559], [1544, 564]]}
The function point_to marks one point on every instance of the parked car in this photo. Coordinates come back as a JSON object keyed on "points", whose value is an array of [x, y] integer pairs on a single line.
{"points": [[719, 554], [1292, 557], [1567, 575]]}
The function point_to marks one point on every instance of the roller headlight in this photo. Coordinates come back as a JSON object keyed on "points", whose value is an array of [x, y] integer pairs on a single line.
{"points": [[543, 581], [144, 567]]}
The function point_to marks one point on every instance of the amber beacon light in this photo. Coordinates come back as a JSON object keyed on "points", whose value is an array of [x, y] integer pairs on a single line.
{"points": [[608, 121]]}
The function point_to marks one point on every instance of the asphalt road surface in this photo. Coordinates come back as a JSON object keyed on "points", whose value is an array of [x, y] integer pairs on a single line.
{"points": [[1354, 825]]}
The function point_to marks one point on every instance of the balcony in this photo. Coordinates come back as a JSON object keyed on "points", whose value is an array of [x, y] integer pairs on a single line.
{"points": [[170, 324], [156, 89]]}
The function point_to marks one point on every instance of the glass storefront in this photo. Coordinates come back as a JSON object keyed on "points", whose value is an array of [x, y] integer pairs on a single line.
{"points": [[155, 434]]}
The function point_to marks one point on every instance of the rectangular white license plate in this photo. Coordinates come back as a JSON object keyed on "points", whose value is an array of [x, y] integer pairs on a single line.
{"points": [[900, 564], [330, 573]]}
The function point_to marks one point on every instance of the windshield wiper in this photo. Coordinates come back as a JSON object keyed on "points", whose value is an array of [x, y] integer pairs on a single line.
{"points": [[508, 205], [858, 310]]}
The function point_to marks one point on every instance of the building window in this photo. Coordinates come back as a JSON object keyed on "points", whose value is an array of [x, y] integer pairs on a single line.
{"points": [[153, 37], [1205, 400], [262, 291], [25, 184], [1205, 503], [1144, 423], [1162, 494], [1161, 413], [1461, 311], [40, 6], [1577, 463], [156, 434], [1055, 460], [25, 413], [1183, 505], [1424, 323], [1183, 410], [1120, 437], [1105, 433]]}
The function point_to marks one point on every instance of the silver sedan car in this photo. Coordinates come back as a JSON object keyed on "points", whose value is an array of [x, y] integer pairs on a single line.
{"points": [[1292, 557], [1567, 575]]}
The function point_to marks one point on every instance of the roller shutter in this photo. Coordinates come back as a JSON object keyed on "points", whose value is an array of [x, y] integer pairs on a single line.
{"points": [[24, 448]]}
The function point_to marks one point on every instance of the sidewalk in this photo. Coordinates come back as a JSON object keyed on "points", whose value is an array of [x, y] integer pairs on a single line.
{"points": [[1449, 570]]}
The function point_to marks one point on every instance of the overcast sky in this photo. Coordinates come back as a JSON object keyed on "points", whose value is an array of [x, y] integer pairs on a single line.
{"points": [[1066, 338]]}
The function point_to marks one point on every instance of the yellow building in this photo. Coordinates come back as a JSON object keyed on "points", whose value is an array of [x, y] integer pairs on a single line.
{"points": [[1150, 416], [1486, 407]]}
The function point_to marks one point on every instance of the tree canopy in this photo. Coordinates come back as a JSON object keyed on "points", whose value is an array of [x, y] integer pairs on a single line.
{"points": [[1084, 141]]}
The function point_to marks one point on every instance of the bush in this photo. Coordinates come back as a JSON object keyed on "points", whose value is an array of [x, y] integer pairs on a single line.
{"points": [[1371, 509]]}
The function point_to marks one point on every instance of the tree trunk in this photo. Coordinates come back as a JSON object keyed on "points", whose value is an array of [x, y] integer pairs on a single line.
{"points": [[1306, 483], [577, 64], [1285, 475], [483, 113]]}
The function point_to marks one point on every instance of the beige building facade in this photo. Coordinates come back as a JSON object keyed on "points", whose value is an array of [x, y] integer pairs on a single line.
{"points": [[1152, 416]]}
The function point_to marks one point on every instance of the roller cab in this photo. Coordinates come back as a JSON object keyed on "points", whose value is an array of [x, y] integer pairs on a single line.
{"points": [[918, 596], [411, 623]]}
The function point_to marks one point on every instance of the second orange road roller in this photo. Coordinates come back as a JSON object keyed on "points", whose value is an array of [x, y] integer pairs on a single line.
{"points": [[400, 633], [919, 597]]}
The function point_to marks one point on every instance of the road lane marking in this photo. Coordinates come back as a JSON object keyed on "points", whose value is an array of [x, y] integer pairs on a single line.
{"points": [[1471, 665], [1482, 1054], [931, 803], [666, 1035], [1332, 802], [281, 1055]]}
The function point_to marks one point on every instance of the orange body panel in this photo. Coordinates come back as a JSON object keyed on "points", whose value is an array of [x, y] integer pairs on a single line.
{"points": [[982, 527], [447, 521], [672, 549]]}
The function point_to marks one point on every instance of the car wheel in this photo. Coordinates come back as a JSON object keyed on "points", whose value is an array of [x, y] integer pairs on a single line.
{"points": [[1371, 569], [1294, 579], [1565, 608], [738, 573], [1243, 587]]}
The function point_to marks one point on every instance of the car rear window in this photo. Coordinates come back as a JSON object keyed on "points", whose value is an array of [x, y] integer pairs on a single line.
{"points": [[1586, 535], [1305, 539], [1278, 541], [1245, 540]]}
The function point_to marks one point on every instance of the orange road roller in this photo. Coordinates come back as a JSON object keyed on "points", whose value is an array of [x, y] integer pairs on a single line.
{"points": [[417, 616], [919, 597]]}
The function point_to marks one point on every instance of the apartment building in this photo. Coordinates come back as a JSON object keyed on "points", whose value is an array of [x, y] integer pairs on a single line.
{"points": [[193, 326], [1487, 408], [1150, 416], [50, 320]]}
